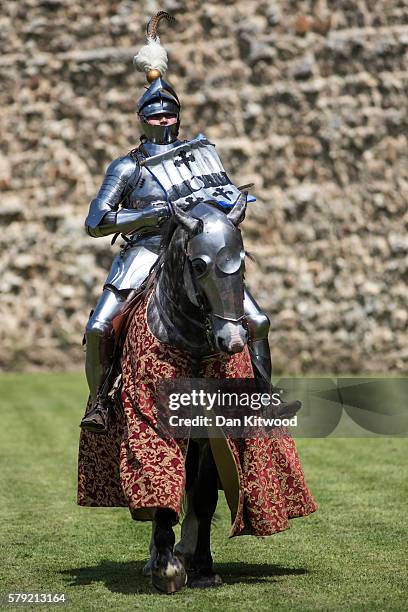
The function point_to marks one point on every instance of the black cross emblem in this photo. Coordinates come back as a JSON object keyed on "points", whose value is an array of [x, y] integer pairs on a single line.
{"points": [[194, 199], [184, 159], [221, 192]]}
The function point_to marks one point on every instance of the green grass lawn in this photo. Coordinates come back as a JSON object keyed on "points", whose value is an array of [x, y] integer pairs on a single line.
{"points": [[350, 555]]}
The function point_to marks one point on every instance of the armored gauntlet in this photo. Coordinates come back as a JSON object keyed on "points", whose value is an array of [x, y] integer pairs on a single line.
{"points": [[128, 221]]}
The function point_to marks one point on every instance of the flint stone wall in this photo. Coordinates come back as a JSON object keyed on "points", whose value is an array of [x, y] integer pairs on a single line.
{"points": [[308, 100]]}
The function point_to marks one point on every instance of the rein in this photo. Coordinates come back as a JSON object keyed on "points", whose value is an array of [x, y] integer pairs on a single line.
{"points": [[165, 316], [183, 314]]}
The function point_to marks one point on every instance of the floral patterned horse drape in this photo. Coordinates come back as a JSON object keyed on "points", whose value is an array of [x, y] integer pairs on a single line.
{"points": [[134, 466]]}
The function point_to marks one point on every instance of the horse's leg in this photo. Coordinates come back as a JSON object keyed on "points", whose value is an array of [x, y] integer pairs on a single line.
{"points": [[185, 548], [168, 573], [189, 527], [147, 568], [205, 497]]}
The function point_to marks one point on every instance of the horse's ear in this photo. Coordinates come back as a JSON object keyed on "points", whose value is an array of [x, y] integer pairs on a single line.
{"points": [[237, 214], [191, 224]]}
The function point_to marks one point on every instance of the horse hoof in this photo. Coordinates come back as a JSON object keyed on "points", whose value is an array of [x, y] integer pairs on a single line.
{"points": [[203, 581], [185, 558], [169, 579]]}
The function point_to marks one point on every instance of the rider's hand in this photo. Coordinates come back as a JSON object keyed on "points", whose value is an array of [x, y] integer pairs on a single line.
{"points": [[163, 211]]}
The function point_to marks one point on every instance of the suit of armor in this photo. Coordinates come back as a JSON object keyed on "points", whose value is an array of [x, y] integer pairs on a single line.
{"points": [[142, 212], [133, 203], [141, 215]]}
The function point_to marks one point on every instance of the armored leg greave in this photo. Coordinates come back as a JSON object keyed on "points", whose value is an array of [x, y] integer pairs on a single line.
{"points": [[100, 340], [258, 328]]}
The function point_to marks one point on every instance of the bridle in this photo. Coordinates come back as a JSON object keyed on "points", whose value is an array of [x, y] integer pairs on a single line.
{"points": [[204, 322], [205, 313]]}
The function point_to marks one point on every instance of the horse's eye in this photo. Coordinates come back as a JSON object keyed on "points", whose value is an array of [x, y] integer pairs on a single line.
{"points": [[199, 267]]}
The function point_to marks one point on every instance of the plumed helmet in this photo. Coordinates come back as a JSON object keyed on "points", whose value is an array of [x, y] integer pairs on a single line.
{"points": [[160, 97]]}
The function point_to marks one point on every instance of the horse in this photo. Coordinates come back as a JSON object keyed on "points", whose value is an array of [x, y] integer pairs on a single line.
{"points": [[198, 307], [190, 322]]}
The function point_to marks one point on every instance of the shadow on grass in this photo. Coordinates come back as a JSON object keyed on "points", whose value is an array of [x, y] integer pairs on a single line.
{"points": [[251, 573], [123, 577], [126, 577]]}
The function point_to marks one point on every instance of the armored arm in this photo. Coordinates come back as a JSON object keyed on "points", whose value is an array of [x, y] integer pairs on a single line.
{"points": [[127, 220], [104, 218], [111, 192]]}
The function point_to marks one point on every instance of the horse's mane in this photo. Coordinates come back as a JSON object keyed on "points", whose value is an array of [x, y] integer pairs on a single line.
{"points": [[168, 231]]}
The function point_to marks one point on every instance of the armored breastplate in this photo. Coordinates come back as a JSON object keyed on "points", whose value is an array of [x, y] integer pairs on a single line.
{"points": [[144, 188], [184, 173], [191, 173]]}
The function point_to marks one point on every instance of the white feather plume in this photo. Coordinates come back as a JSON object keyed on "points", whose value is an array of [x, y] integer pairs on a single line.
{"points": [[152, 56]]}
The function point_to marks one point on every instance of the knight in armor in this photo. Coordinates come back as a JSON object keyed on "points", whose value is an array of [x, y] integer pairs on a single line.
{"points": [[134, 200]]}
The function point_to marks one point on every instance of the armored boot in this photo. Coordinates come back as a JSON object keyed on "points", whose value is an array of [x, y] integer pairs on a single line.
{"points": [[100, 346], [260, 354]]}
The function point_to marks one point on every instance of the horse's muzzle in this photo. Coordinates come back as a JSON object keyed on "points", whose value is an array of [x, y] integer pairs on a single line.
{"points": [[230, 337]]}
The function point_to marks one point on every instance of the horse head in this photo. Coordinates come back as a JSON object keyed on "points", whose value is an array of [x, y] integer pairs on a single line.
{"points": [[214, 269]]}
